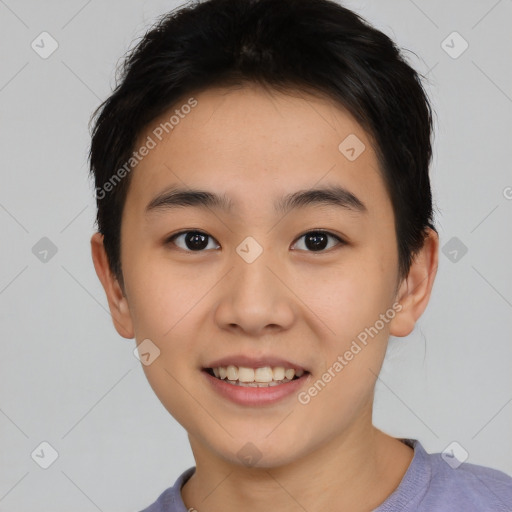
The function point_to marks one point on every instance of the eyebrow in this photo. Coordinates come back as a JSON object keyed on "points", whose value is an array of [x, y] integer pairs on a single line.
{"points": [[334, 195]]}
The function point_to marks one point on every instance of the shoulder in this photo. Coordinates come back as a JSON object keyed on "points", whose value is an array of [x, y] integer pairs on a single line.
{"points": [[170, 500], [438, 482], [471, 486]]}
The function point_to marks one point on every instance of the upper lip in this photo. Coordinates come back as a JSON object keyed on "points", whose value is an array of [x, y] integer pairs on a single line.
{"points": [[254, 362]]}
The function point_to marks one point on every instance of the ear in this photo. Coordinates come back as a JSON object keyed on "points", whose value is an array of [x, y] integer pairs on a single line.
{"points": [[415, 289], [117, 301]]}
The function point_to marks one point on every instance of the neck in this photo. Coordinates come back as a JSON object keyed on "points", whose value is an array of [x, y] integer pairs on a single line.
{"points": [[355, 471]]}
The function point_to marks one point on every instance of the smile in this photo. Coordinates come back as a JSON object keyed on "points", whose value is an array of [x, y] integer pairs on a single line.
{"points": [[266, 376], [255, 386]]}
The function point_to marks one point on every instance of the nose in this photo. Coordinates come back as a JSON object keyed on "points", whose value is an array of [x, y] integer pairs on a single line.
{"points": [[255, 297]]}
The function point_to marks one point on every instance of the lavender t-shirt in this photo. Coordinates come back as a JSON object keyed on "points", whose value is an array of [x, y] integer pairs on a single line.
{"points": [[429, 485]]}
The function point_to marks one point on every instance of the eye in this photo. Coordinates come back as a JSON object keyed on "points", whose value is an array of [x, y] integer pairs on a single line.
{"points": [[191, 241], [197, 241], [316, 241]]}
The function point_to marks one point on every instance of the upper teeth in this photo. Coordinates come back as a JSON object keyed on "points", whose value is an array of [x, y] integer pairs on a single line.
{"points": [[264, 374]]}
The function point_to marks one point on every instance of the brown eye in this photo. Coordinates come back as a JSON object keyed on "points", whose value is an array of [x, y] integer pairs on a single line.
{"points": [[198, 241], [317, 241], [195, 241]]}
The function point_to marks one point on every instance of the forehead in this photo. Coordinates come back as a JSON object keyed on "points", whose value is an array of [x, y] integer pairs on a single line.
{"points": [[250, 143]]}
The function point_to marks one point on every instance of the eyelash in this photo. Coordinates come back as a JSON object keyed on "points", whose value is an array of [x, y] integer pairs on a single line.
{"points": [[171, 239]]}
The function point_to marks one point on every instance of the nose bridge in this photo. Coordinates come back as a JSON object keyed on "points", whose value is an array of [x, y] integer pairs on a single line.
{"points": [[254, 297], [253, 279]]}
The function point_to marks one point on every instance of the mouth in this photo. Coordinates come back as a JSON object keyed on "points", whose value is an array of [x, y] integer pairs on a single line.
{"points": [[262, 377]]}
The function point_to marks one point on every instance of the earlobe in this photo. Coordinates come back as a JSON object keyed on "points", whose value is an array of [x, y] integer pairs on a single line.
{"points": [[414, 292], [117, 301]]}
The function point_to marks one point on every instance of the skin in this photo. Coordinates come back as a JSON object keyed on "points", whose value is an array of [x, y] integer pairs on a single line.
{"points": [[292, 302]]}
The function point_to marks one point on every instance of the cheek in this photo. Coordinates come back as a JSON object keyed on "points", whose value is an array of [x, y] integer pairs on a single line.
{"points": [[168, 383], [159, 295], [351, 296]]}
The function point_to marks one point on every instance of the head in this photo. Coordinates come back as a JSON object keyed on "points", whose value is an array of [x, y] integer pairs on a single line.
{"points": [[297, 134]]}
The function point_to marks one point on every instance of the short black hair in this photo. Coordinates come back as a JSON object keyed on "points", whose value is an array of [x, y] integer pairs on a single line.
{"points": [[316, 46]]}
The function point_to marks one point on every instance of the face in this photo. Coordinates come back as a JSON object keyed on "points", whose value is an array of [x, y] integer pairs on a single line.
{"points": [[260, 277]]}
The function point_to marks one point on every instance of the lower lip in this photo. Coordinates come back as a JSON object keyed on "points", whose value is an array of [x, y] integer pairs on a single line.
{"points": [[244, 395]]}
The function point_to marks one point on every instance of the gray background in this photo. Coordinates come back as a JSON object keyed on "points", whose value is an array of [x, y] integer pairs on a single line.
{"points": [[67, 378]]}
